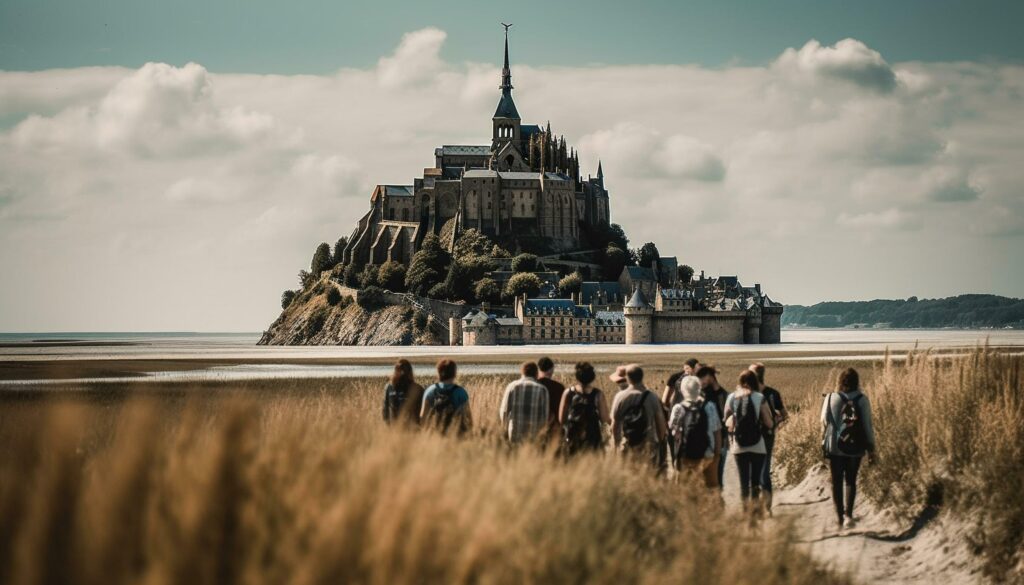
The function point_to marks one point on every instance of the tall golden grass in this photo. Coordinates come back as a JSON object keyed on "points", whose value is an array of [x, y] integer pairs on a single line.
{"points": [[305, 487], [949, 430]]}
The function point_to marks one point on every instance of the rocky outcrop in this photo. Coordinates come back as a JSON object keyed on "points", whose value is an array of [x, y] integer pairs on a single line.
{"points": [[311, 320]]}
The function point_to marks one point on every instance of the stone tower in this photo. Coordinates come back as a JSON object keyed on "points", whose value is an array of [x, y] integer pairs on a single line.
{"points": [[639, 315], [506, 124]]}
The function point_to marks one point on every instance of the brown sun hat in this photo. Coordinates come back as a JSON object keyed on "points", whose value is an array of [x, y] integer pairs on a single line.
{"points": [[619, 375]]}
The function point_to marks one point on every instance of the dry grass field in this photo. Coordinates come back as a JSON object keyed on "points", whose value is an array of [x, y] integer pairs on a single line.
{"points": [[299, 482]]}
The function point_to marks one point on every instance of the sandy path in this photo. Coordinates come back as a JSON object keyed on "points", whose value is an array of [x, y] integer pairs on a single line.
{"points": [[879, 549]]}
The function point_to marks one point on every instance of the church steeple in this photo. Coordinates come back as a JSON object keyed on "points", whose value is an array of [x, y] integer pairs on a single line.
{"points": [[505, 122]]}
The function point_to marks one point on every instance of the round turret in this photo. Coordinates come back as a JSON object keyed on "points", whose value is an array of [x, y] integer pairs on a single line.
{"points": [[639, 316]]}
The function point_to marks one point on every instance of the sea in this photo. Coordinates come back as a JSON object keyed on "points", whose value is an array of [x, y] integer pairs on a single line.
{"points": [[273, 362]]}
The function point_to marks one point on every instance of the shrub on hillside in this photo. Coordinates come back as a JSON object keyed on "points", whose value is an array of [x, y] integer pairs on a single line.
{"points": [[370, 298], [333, 295], [368, 276], [321, 259], [392, 276], [570, 284], [286, 298], [487, 290], [522, 283], [316, 322], [428, 266], [524, 263]]}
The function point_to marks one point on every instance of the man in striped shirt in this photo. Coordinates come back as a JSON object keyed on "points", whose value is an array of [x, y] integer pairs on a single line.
{"points": [[524, 407]]}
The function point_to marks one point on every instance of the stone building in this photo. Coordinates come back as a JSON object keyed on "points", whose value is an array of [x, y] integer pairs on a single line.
{"points": [[523, 188], [609, 327]]}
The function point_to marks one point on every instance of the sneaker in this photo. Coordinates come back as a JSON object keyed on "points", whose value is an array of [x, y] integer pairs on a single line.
{"points": [[840, 527], [850, 522]]}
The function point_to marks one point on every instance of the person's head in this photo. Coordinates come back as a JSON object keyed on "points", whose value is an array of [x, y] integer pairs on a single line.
{"points": [[748, 381], [634, 374], [849, 380], [618, 377], [546, 366], [529, 369], [690, 366], [690, 386], [446, 370], [585, 374], [402, 377], [706, 375], [758, 369]]}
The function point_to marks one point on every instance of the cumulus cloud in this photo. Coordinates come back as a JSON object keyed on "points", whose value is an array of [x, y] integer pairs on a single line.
{"points": [[849, 60], [203, 193]]}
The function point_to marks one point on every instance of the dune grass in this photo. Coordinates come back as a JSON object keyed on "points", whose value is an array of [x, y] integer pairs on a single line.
{"points": [[293, 486], [950, 432]]}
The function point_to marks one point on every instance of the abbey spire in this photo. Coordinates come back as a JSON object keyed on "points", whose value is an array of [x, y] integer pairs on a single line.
{"points": [[506, 122]]}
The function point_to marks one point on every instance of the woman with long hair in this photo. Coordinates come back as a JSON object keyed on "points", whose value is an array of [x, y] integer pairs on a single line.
{"points": [[849, 435], [402, 395]]}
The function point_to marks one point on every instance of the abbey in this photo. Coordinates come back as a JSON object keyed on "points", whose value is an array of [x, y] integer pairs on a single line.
{"points": [[524, 190]]}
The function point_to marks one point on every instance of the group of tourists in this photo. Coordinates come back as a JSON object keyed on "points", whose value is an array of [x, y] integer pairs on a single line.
{"points": [[693, 427]]}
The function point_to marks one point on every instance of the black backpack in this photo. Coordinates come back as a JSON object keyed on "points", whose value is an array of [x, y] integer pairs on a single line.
{"points": [[394, 400], [582, 426], [748, 423], [635, 423], [442, 408], [692, 436], [850, 438]]}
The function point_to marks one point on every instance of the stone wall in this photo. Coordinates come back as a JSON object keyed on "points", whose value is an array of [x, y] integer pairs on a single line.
{"points": [[771, 327], [698, 327]]}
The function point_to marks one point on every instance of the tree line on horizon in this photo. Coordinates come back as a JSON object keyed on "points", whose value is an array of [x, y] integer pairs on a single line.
{"points": [[970, 311]]}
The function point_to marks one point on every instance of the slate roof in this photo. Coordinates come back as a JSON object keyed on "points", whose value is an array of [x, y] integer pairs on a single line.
{"points": [[555, 307], [480, 174], [640, 273], [509, 322], [527, 130], [589, 290], [398, 190], [676, 294], [609, 318], [506, 107], [638, 300], [463, 149], [727, 281]]}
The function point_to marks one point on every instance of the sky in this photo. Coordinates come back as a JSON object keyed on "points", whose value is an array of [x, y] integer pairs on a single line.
{"points": [[171, 166]]}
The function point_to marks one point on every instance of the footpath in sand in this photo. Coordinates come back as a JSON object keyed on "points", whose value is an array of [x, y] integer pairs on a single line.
{"points": [[879, 549]]}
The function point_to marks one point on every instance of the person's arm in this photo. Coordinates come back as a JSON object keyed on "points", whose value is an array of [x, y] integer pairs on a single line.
{"points": [[766, 415], [729, 420], [561, 407], [545, 406], [504, 403], [660, 428], [384, 409], [417, 398], [716, 425], [427, 397], [602, 408], [666, 396], [825, 405], [782, 413], [616, 423], [718, 440]]}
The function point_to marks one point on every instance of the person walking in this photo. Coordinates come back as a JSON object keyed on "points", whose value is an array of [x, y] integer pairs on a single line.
{"points": [[445, 403], [773, 398], [403, 397], [696, 433], [555, 391], [747, 417], [713, 393], [849, 436], [524, 407], [638, 421], [582, 411], [672, 395]]}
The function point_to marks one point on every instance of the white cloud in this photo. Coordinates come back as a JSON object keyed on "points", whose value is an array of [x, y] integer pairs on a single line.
{"points": [[848, 60], [176, 198]]}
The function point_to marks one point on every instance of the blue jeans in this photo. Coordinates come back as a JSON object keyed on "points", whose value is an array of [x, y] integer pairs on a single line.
{"points": [[750, 465], [766, 471]]}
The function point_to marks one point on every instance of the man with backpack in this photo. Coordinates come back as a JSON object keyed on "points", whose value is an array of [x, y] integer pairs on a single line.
{"points": [[713, 393], [696, 433], [673, 393], [445, 403], [524, 407], [773, 399], [849, 435], [638, 421]]}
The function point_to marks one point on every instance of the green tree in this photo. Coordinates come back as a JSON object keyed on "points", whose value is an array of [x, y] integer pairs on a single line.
{"points": [[286, 298], [499, 252], [614, 262], [351, 275], [368, 277], [570, 284], [428, 266], [647, 254], [306, 279], [685, 273], [524, 263], [321, 259], [487, 290], [522, 283], [339, 250], [472, 243], [333, 295], [392, 276], [370, 298]]}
